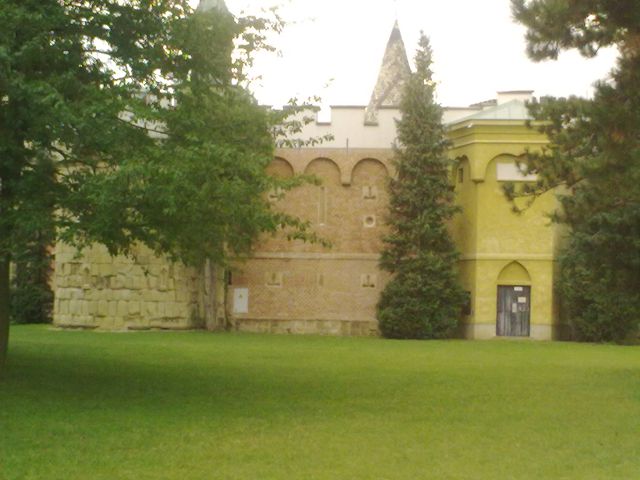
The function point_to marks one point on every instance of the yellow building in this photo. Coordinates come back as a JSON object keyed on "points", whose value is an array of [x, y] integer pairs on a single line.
{"points": [[507, 260]]}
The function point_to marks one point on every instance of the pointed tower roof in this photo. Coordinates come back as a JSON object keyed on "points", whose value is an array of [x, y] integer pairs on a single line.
{"points": [[394, 71], [206, 5]]}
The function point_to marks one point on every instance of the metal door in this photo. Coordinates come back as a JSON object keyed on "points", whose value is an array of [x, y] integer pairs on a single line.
{"points": [[514, 311]]}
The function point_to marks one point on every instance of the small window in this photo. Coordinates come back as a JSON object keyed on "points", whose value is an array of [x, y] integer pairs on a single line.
{"points": [[510, 172], [369, 192], [369, 221], [274, 279], [367, 280], [460, 175], [322, 206], [276, 194]]}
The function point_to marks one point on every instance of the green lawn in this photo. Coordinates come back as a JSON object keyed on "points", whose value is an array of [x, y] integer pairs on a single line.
{"points": [[155, 405]]}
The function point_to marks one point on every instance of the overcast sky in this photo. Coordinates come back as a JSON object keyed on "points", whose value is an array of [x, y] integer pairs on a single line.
{"points": [[478, 50]]}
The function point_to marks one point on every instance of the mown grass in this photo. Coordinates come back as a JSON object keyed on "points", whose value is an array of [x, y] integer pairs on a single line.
{"points": [[154, 405]]}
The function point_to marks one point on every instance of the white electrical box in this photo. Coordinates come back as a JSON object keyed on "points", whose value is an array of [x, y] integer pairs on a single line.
{"points": [[240, 300]]}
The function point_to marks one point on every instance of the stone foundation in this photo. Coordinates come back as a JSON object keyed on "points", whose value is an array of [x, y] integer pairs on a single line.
{"points": [[485, 331], [361, 328]]}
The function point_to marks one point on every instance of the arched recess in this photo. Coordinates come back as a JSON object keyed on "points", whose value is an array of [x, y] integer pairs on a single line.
{"points": [[322, 202], [327, 171], [514, 274], [511, 172], [280, 168], [461, 163], [369, 171]]}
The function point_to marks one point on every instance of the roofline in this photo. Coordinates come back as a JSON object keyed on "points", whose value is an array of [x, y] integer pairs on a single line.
{"points": [[393, 107], [472, 122], [516, 91], [383, 107]]}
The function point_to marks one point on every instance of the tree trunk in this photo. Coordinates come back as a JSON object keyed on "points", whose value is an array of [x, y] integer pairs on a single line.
{"points": [[4, 310]]}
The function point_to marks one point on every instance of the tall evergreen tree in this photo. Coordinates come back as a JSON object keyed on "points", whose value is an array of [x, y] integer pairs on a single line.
{"points": [[594, 154], [423, 298]]}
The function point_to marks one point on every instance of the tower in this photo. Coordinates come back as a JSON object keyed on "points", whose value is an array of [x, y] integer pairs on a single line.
{"points": [[206, 5], [393, 73]]}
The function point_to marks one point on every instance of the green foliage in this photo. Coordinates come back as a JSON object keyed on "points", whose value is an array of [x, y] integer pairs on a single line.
{"points": [[601, 306], [130, 121], [423, 298], [594, 155], [31, 294], [133, 120], [588, 25], [31, 299]]}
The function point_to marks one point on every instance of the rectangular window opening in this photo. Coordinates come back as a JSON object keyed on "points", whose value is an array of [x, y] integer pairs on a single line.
{"points": [[367, 280], [322, 206], [369, 192]]}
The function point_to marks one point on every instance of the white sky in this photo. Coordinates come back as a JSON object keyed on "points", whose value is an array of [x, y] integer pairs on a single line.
{"points": [[478, 50]]}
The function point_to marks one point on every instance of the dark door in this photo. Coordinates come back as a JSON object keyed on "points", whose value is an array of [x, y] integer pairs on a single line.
{"points": [[514, 311]]}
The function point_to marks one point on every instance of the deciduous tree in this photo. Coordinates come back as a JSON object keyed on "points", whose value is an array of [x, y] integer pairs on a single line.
{"points": [[131, 121]]}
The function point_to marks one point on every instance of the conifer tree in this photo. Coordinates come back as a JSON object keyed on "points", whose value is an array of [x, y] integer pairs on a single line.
{"points": [[594, 154], [423, 298]]}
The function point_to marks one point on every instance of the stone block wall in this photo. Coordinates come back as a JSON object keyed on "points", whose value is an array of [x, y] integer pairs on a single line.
{"points": [[95, 290]]}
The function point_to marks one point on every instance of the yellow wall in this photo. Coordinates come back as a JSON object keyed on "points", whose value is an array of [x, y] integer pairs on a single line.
{"points": [[491, 237]]}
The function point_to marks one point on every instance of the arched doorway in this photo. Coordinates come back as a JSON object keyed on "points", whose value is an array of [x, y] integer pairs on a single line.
{"points": [[514, 302]]}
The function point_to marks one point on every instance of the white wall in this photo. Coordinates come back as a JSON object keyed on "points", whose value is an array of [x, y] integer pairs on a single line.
{"points": [[348, 128]]}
